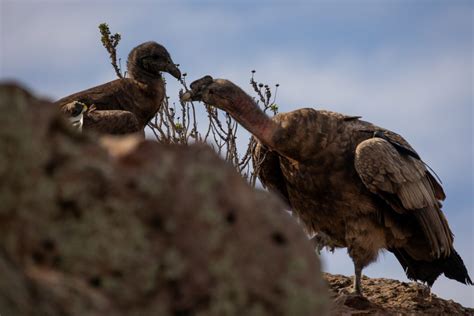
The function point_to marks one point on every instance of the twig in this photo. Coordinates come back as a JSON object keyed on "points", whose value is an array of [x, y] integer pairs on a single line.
{"points": [[110, 43]]}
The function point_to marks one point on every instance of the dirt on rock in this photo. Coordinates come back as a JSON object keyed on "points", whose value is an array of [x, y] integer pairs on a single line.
{"points": [[388, 297]]}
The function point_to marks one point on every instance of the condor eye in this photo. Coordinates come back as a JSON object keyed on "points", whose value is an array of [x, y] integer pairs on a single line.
{"points": [[148, 59]]}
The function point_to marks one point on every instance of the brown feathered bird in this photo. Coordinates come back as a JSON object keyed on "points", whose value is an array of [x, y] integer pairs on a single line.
{"points": [[126, 105], [362, 185]]}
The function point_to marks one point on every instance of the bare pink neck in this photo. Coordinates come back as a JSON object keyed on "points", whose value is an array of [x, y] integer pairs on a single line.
{"points": [[251, 117]]}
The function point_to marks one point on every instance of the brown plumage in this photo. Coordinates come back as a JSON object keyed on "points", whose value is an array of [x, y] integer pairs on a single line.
{"points": [[363, 186], [126, 105]]}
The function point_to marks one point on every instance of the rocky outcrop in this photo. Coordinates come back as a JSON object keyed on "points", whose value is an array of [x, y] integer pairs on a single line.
{"points": [[120, 226], [389, 297]]}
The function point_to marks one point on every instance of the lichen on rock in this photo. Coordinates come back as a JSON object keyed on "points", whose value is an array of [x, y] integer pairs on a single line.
{"points": [[130, 227]]}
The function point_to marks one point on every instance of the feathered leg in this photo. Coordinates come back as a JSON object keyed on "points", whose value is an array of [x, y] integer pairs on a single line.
{"points": [[364, 240]]}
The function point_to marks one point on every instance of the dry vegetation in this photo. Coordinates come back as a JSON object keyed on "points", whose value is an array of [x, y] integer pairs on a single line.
{"points": [[179, 123]]}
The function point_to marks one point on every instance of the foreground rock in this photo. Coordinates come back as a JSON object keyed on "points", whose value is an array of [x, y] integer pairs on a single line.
{"points": [[389, 297], [127, 227]]}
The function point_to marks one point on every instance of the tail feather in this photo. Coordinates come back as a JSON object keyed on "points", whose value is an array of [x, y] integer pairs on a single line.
{"points": [[459, 273], [428, 271]]}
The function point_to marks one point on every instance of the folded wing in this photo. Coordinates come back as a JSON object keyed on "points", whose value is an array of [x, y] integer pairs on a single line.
{"points": [[407, 186]]}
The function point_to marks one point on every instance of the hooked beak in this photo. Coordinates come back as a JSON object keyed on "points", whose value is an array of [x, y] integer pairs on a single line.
{"points": [[187, 97], [173, 70], [197, 89]]}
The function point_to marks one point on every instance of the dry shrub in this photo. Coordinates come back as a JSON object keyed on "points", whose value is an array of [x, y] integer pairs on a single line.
{"points": [[179, 123]]}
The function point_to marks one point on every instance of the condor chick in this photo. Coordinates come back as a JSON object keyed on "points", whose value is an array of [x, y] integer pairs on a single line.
{"points": [[127, 105]]}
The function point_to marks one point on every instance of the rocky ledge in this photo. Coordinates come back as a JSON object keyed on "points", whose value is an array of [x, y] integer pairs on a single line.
{"points": [[123, 226], [389, 297]]}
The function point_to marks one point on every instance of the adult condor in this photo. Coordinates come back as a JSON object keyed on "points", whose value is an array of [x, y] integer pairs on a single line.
{"points": [[362, 185]]}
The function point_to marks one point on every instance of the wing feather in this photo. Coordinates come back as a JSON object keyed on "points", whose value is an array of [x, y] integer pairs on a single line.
{"points": [[405, 184], [267, 164], [111, 122], [104, 97]]}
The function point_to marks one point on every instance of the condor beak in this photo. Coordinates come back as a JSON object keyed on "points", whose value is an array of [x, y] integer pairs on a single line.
{"points": [[187, 97], [197, 88], [173, 70]]}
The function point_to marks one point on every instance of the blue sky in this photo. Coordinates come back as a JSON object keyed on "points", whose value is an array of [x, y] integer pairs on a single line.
{"points": [[404, 65]]}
